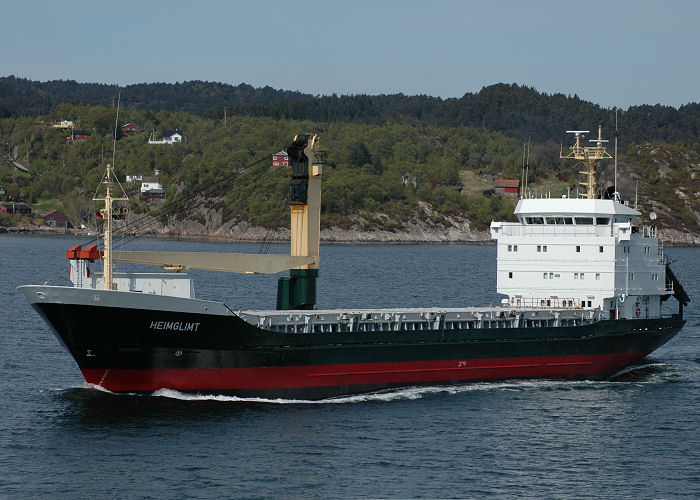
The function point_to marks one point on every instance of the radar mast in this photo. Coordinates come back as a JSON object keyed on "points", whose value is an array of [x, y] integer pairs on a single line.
{"points": [[590, 156]]}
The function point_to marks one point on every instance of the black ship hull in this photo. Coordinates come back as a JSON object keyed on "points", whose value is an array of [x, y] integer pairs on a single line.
{"points": [[212, 350]]}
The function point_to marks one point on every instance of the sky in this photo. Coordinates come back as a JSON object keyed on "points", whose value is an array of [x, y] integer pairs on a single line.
{"points": [[613, 53]]}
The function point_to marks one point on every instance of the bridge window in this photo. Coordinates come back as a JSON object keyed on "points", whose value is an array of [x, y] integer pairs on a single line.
{"points": [[602, 221], [586, 221]]}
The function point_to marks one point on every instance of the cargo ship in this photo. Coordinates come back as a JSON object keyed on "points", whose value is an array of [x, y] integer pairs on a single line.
{"points": [[582, 288]]}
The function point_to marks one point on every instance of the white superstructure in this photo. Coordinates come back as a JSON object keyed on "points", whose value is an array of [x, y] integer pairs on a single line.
{"points": [[585, 253]]}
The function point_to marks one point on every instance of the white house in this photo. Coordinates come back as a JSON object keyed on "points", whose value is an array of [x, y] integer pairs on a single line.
{"points": [[149, 183], [169, 137]]}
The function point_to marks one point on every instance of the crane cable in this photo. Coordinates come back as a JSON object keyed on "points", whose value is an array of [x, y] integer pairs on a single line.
{"points": [[185, 204]]}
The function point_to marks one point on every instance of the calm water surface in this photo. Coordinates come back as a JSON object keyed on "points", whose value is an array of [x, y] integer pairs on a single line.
{"points": [[634, 436]]}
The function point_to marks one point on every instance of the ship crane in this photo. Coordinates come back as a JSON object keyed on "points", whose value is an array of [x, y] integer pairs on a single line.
{"points": [[590, 156], [298, 291]]}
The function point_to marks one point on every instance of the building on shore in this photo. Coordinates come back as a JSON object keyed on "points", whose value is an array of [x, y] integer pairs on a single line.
{"points": [[57, 219]]}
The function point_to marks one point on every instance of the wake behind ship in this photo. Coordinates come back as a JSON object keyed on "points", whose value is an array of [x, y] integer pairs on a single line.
{"points": [[583, 288]]}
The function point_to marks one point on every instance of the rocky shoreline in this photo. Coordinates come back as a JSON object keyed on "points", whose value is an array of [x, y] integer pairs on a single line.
{"points": [[418, 233]]}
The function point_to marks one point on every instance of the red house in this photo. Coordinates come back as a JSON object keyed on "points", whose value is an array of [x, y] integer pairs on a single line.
{"points": [[15, 209], [280, 159], [56, 218], [154, 195], [129, 127], [507, 186], [77, 136]]}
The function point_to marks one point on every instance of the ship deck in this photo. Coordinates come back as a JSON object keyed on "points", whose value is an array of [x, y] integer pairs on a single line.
{"points": [[412, 319]]}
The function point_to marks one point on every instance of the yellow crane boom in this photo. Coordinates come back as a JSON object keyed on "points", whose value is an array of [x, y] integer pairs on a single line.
{"points": [[226, 262]]}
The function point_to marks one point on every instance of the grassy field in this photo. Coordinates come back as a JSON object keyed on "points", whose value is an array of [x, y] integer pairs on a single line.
{"points": [[46, 206], [473, 184]]}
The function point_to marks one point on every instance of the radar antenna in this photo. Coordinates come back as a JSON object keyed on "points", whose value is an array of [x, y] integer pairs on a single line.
{"points": [[590, 156]]}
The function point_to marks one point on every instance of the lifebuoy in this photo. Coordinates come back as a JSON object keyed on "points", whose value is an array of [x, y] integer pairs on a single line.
{"points": [[638, 312]]}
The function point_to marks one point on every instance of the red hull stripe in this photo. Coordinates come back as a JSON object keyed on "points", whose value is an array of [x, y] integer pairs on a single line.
{"points": [[362, 374]]}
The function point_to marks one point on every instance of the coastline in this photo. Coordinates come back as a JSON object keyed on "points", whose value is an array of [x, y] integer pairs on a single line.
{"points": [[336, 236]]}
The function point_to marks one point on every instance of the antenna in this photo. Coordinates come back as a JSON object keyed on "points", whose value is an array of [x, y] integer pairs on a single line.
{"points": [[527, 164], [616, 195], [116, 124], [107, 211], [522, 175]]}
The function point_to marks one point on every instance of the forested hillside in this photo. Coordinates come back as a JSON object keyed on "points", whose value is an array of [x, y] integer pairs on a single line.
{"points": [[392, 161], [22, 97], [371, 168], [517, 111]]}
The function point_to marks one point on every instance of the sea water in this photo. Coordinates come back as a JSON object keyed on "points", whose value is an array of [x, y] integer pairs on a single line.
{"points": [[634, 436]]}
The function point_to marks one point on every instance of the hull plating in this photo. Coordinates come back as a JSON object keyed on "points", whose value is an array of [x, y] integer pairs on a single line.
{"points": [[143, 350], [321, 381]]}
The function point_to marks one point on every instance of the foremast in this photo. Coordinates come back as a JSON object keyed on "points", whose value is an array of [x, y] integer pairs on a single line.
{"points": [[106, 213]]}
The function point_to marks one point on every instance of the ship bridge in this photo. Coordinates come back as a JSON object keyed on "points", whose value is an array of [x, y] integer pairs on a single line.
{"points": [[581, 253], [574, 207]]}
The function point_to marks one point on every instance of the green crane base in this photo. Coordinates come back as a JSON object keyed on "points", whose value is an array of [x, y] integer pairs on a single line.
{"points": [[297, 291]]}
